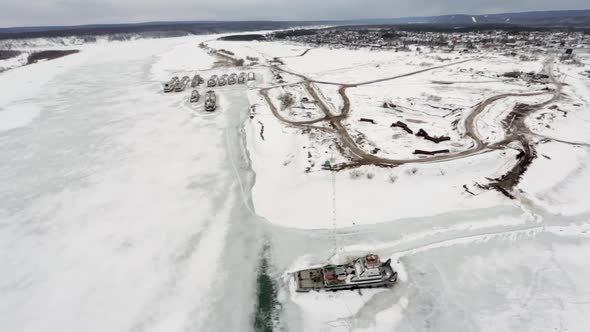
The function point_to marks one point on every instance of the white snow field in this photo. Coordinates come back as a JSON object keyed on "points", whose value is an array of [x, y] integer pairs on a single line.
{"points": [[471, 262], [126, 209], [116, 200]]}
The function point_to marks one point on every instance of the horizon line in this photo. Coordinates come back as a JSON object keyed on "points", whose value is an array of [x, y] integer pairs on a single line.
{"points": [[65, 27]]}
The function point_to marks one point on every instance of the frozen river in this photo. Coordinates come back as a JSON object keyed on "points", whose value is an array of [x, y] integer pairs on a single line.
{"points": [[117, 202], [123, 209]]}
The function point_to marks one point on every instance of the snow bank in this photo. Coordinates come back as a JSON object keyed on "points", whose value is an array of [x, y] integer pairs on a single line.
{"points": [[559, 178], [183, 57], [17, 115], [15, 62]]}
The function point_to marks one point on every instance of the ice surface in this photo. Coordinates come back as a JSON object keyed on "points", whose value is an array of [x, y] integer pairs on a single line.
{"points": [[116, 200], [126, 209]]}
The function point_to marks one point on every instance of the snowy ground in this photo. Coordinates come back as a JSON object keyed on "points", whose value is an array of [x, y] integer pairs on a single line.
{"points": [[293, 159], [472, 262], [126, 209]]}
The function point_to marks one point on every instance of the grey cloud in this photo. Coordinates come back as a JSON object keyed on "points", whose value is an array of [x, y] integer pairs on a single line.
{"points": [[70, 12]]}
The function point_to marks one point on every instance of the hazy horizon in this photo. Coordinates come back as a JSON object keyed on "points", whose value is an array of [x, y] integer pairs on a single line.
{"points": [[29, 13]]}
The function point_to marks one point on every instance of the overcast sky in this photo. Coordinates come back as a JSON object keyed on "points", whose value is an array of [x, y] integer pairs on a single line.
{"points": [[73, 12]]}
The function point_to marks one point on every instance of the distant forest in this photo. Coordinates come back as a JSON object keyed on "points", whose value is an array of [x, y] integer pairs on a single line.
{"points": [[573, 20], [146, 30]]}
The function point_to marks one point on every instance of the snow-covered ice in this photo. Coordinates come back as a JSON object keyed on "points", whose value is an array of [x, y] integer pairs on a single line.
{"points": [[126, 209], [116, 200]]}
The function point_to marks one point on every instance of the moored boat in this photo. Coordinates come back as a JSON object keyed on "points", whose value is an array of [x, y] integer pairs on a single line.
{"points": [[362, 272]]}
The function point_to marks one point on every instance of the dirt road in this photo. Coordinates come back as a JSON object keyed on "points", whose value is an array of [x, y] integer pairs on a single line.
{"points": [[301, 124], [516, 131], [352, 85]]}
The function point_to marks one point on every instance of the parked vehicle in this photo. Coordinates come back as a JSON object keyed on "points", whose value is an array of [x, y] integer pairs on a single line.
{"points": [[212, 81], [168, 87], [181, 85], [210, 101], [233, 79], [222, 81], [251, 76], [196, 81], [195, 96], [178, 87], [242, 78]]}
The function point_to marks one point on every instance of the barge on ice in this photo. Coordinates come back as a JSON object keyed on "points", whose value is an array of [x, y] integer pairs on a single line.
{"points": [[362, 272]]}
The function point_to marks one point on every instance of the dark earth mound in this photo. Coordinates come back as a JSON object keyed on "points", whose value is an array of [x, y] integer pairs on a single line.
{"points": [[7, 54], [49, 55], [249, 37]]}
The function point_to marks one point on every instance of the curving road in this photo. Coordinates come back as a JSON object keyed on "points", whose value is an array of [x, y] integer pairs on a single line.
{"points": [[359, 156]]}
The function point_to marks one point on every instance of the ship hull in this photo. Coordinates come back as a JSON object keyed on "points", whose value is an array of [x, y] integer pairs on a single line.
{"points": [[312, 280]]}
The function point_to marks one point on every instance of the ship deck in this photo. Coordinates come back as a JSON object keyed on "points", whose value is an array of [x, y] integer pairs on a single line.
{"points": [[310, 279]]}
